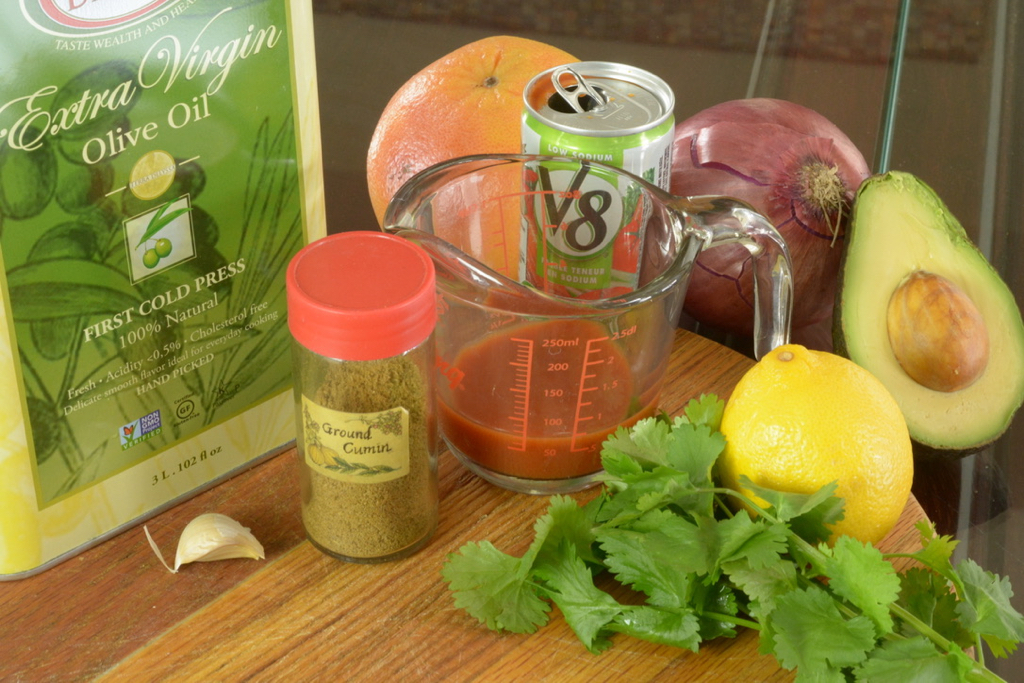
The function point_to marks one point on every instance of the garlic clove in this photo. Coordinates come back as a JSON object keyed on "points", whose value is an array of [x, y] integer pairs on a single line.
{"points": [[208, 537], [213, 536]]}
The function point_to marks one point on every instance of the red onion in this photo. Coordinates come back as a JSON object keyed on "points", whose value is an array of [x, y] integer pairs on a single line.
{"points": [[791, 164]]}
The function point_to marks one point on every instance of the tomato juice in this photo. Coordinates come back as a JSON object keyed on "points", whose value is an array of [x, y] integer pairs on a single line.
{"points": [[536, 401], [542, 457]]}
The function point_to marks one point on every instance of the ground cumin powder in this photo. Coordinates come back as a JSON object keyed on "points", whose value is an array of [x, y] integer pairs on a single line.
{"points": [[362, 306], [375, 521]]}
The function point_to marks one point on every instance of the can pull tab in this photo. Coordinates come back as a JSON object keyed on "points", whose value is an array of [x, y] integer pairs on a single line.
{"points": [[575, 95]]}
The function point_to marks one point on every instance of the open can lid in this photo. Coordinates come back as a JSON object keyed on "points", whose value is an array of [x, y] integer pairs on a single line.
{"points": [[361, 295]]}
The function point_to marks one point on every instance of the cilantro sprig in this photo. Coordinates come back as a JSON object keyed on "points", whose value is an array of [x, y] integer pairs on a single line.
{"points": [[664, 528]]}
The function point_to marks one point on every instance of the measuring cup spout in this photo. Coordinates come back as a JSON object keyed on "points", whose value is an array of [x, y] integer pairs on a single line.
{"points": [[724, 220], [464, 277]]}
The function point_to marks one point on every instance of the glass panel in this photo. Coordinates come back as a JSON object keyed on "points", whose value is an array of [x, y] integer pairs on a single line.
{"points": [[832, 57], [931, 87], [958, 123]]}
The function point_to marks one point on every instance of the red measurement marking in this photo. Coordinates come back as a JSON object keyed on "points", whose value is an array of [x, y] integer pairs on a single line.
{"points": [[579, 423], [522, 364]]}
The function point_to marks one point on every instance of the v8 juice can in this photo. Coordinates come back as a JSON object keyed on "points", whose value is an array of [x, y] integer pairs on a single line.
{"points": [[581, 234]]}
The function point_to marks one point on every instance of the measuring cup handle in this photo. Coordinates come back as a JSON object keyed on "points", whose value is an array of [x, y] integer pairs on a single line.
{"points": [[728, 221]]}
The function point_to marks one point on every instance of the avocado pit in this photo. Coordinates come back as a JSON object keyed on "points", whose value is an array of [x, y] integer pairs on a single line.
{"points": [[937, 333]]}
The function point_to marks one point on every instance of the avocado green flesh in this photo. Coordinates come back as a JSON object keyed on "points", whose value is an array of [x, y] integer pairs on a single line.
{"points": [[899, 226]]}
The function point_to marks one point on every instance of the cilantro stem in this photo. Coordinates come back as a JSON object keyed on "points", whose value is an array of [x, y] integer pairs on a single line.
{"points": [[921, 627], [721, 505], [959, 589], [979, 672], [719, 491], [732, 619]]}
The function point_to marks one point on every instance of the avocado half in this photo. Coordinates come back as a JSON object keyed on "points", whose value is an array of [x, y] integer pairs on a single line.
{"points": [[901, 233]]}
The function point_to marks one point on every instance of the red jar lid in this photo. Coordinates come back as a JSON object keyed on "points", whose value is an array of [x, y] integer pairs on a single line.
{"points": [[361, 296]]}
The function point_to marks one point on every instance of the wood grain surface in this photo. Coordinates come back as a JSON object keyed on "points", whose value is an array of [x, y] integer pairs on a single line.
{"points": [[114, 613]]}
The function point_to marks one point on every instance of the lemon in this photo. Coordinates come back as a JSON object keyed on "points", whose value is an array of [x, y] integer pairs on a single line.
{"points": [[800, 419]]}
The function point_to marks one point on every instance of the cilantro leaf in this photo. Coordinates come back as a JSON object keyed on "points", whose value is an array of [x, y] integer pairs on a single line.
{"points": [[654, 563], [809, 515], [859, 574], [665, 557], [690, 497], [811, 635], [564, 522], [587, 609], [694, 450], [787, 505], [985, 608], [755, 564], [678, 628], [649, 440], [815, 525], [758, 543], [649, 490], [715, 605], [928, 597], [676, 460], [498, 589], [706, 410], [488, 584], [618, 465], [636, 472], [762, 586], [914, 660], [936, 551]]}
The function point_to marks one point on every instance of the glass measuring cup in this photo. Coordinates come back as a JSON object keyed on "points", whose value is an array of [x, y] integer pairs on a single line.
{"points": [[541, 355]]}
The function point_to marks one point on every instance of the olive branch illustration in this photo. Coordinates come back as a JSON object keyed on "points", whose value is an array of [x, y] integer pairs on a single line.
{"points": [[159, 221], [151, 257]]}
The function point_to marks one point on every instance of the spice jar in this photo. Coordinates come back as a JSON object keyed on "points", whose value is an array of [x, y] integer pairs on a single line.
{"points": [[361, 310]]}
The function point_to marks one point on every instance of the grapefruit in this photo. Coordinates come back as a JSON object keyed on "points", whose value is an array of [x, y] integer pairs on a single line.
{"points": [[467, 102]]}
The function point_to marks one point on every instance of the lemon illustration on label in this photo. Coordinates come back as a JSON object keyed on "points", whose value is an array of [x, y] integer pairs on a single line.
{"points": [[321, 455], [152, 174]]}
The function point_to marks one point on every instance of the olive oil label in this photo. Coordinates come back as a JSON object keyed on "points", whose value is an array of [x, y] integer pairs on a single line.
{"points": [[159, 166], [359, 448]]}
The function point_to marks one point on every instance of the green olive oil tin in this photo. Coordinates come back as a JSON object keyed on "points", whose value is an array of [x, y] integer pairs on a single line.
{"points": [[159, 167]]}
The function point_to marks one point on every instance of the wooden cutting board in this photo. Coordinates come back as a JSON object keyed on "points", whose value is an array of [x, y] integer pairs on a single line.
{"points": [[117, 614]]}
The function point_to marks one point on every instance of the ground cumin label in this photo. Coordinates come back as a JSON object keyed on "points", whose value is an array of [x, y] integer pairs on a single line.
{"points": [[159, 166], [359, 448]]}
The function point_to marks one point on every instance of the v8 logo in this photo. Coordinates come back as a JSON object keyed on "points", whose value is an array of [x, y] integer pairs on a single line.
{"points": [[582, 211]]}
